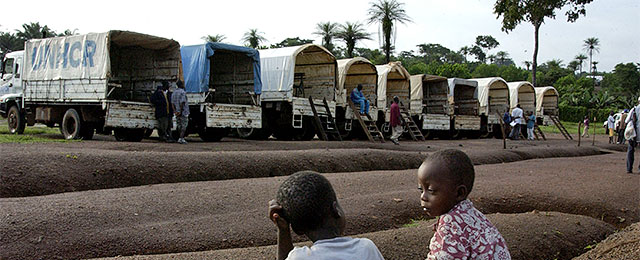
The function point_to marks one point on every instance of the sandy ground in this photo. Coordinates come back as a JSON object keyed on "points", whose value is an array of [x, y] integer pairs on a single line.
{"points": [[623, 245], [533, 235], [91, 165], [198, 216]]}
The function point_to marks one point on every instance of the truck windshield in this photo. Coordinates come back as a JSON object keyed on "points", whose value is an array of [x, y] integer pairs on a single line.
{"points": [[8, 66]]}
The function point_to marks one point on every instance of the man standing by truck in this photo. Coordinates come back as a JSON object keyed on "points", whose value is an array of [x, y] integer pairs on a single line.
{"points": [[181, 108], [164, 111]]}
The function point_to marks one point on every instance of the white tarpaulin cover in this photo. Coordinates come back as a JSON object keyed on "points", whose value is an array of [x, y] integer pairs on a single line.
{"points": [[343, 69], [453, 82], [514, 88], [417, 90], [383, 73], [277, 68], [540, 94], [70, 57], [484, 87]]}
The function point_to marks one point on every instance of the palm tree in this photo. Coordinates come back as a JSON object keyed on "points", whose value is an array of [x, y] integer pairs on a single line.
{"points": [[492, 58], [580, 57], [465, 51], [388, 13], [527, 64], [34, 31], [502, 56], [327, 31], [351, 33], [594, 67], [573, 65], [590, 45], [214, 38], [253, 38]]}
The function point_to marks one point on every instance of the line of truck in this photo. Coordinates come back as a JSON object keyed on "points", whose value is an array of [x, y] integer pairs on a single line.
{"points": [[102, 82]]}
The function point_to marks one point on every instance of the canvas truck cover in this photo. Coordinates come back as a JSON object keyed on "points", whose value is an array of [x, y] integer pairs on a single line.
{"points": [[343, 69], [383, 74], [344, 65], [277, 67], [541, 92], [514, 89], [71, 57], [197, 66], [484, 87], [417, 89]]}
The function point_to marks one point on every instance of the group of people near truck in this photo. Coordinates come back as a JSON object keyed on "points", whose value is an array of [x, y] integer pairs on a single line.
{"points": [[516, 119], [307, 204], [168, 104]]}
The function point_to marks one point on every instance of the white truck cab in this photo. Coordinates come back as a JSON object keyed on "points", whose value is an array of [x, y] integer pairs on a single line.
{"points": [[10, 82]]}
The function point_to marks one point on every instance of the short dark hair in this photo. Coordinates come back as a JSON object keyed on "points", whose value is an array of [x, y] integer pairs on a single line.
{"points": [[180, 84], [359, 86], [306, 198], [458, 164]]}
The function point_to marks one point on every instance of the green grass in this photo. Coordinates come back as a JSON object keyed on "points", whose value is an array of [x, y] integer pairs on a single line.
{"points": [[37, 134], [414, 222], [573, 128]]}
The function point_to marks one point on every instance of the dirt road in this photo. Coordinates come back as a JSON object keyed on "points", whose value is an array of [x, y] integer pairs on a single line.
{"points": [[197, 216]]}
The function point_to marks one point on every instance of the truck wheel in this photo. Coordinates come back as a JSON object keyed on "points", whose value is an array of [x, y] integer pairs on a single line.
{"points": [[87, 133], [16, 121], [120, 134], [253, 133], [71, 125], [211, 134], [135, 135], [428, 134]]}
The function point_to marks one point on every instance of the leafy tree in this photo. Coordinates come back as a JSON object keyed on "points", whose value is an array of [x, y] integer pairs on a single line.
{"points": [[580, 58], [485, 70], [214, 38], [253, 38], [503, 59], [327, 30], [436, 52], [514, 12], [465, 50], [375, 56], [388, 13], [573, 65], [590, 45], [291, 42], [453, 71], [625, 78], [511, 73], [10, 42], [477, 51], [351, 33], [417, 68], [486, 42]]}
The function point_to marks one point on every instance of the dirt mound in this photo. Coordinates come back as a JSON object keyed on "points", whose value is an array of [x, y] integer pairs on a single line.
{"points": [[623, 245], [22, 172], [534, 235], [198, 216]]}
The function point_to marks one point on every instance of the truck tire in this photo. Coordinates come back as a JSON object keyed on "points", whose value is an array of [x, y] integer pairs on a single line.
{"points": [[71, 125], [15, 120], [87, 132], [211, 134], [253, 133]]}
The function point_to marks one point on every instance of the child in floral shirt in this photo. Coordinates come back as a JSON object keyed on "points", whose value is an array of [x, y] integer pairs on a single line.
{"points": [[445, 179]]}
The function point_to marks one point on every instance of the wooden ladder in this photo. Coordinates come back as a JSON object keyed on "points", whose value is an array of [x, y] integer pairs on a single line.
{"points": [[369, 127], [538, 132], [326, 129], [563, 131], [414, 130]]}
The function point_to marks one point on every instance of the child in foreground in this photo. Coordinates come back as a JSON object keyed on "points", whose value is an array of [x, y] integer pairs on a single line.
{"points": [[445, 179], [307, 202]]}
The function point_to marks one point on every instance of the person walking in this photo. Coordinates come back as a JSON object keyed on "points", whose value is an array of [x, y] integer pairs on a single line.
{"points": [[396, 121], [586, 127], [506, 118], [622, 126], [611, 125], [633, 116], [163, 111], [517, 117], [531, 122], [181, 108]]}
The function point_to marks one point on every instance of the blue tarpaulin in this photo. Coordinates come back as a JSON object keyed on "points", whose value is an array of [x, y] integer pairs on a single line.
{"points": [[196, 65]]}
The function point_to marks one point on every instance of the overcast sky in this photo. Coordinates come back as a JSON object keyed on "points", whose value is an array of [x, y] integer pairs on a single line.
{"points": [[452, 23]]}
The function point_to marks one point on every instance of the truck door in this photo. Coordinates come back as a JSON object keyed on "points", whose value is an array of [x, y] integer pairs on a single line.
{"points": [[6, 81]]}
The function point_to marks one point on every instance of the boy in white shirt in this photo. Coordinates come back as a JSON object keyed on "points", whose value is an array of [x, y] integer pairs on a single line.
{"points": [[306, 202]]}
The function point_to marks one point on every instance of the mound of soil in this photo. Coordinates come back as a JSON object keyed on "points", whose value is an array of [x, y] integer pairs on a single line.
{"points": [[187, 217], [533, 235], [29, 172], [623, 245]]}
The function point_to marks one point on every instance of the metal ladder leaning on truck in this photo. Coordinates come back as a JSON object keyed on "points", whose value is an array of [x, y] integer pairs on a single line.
{"points": [[96, 82]]}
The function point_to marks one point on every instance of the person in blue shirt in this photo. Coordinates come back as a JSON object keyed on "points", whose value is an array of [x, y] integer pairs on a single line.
{"points": [[358, 98], [506, 118], [531, 120]]}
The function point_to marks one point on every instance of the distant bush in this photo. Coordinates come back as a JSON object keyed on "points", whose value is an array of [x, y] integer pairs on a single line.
{"points": [[577, 113]]}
